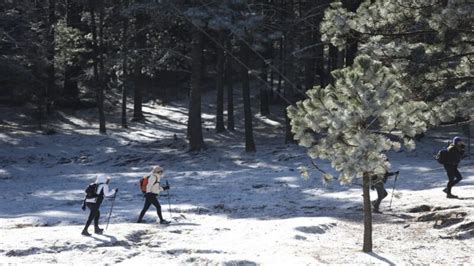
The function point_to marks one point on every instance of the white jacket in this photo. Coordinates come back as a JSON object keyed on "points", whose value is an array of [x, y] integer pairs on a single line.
{"points": [[103, 186], [153, 185]]}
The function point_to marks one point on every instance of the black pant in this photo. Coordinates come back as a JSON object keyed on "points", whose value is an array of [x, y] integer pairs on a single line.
{"points": [[93, 215], [453, 175], [381, 193], [151, 198]]}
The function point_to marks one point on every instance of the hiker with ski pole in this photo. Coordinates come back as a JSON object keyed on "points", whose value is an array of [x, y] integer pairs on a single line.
{"points": [[378, 183], [95, 193], [150, 186], [169, 200], [111, 208], [454, 154]]}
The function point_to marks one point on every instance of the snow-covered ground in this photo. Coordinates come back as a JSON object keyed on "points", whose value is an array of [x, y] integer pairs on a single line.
{"points": [[228, 207]]}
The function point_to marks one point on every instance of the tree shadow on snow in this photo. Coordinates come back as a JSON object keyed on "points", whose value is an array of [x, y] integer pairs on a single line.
{"points": [[382, 259]]}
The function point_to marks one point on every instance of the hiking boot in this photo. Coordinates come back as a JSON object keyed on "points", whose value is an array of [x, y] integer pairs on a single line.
{"points": [[85, 233], [164, 222], [375, 205], [451, 196], [98, 231]]}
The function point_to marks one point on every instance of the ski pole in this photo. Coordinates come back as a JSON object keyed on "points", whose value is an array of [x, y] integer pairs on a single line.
{"points": [[110, 213], [393, 190], [169, 201]]}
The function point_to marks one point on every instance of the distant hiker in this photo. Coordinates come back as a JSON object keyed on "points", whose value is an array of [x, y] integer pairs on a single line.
{"points": [[150, 185], [378, 183], [95, 193], [454, 155]]}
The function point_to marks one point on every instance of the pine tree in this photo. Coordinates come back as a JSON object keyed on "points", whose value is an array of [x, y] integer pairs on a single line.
{"points": [[356, 116], [428, 42]]}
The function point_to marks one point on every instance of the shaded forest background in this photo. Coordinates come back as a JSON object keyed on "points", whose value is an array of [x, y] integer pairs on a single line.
{"points": [[58, 54]]}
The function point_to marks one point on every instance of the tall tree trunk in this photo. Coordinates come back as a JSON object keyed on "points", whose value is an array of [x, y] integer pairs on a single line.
{"points": [[50, 87], [272, 79], [309, 63], [249, 142], [367, 246], [140, 43], [125, 81], [291, 91], [351, 51], [95, 61], [230, 88], [280, 67], [352, 44], [220, 84], [264, 91], [72, 72], [102, 76], [332, 61], [323, 75], [196, 141]]}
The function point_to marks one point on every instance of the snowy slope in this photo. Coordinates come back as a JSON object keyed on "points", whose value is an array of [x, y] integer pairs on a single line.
{"points": [[227, 207]]}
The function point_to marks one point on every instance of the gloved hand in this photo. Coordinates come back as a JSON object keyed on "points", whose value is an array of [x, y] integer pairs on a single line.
{"points": [[83, 206], [397, 172], [166, 187], [116, 190]]}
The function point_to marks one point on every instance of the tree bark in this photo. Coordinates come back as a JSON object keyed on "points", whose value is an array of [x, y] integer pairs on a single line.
{"points": [[102, 76], [280, 67], [230, 88], [51, 71], [323, 75], [220, 84], [264, 91], [309, 63], [291, 91], [125, 81], [140, 43], [249, 142], [367, 246], [351, 51], [196, 141], [72, 72], [95, 61], [352, 44], [332, 61]]}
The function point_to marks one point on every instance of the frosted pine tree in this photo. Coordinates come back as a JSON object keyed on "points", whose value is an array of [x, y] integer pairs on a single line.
{"points": [[355, 118], [429, 42]]}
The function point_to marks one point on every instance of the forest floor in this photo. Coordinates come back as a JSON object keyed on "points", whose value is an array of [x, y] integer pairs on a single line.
{"points": [[228, 207]]}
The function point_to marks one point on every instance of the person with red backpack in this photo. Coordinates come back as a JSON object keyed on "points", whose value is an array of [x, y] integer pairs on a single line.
{"points": [[150, 185], [95, 193], [454, 155]]}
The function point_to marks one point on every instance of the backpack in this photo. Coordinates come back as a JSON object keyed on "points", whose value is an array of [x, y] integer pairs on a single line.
{"points": [[442, 156], [91, 191], [144, 183]]}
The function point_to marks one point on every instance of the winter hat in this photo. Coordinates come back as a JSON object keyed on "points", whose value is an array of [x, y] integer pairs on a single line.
{"points": [[456, 140], [102, 179], [157, 170]]}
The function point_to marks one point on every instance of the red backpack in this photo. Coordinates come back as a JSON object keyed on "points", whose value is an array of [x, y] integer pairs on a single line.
{"points": [[144, 183]]}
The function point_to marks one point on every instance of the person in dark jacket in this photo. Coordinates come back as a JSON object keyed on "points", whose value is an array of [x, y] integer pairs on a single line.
{"points": [[102, 189], [455, 154], [378, 183]]}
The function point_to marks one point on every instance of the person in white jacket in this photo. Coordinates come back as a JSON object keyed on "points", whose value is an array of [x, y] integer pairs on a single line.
{"points": [[93, 203], [153, 189]]}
